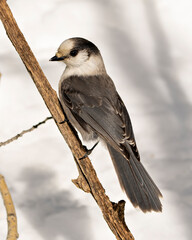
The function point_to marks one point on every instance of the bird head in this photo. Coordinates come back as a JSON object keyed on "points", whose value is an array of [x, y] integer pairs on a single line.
{"points": [[75, 51]]}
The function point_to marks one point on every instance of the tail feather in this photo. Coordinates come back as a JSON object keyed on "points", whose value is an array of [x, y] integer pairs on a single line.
{"points": [[134, 179]]}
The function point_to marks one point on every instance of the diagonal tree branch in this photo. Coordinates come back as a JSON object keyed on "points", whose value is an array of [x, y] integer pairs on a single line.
{"points": [[113, 213]]}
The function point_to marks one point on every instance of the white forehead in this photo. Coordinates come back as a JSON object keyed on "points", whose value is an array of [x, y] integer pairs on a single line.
{"points": [[66, 47]]}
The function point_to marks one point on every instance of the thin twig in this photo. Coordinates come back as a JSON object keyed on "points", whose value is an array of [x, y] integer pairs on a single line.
{"points": [[23, 132], [10, 209]]}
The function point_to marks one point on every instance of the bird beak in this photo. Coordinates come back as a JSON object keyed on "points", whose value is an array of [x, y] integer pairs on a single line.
{"points": [[55, 58]]}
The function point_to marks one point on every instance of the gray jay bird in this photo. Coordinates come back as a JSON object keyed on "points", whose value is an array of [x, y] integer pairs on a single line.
{"points": [[93, 106]]}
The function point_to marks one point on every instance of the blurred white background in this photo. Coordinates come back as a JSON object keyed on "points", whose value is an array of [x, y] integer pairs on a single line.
{"points": [[146, 46]]}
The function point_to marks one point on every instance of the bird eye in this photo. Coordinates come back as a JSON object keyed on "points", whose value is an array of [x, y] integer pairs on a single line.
{"points": [[73, 53]]}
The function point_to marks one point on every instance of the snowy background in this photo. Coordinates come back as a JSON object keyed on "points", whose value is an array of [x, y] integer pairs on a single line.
{"points": [[146, 46]]}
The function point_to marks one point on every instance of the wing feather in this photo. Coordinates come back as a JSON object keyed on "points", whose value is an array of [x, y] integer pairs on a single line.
{"points": [[94, 101], [97, 102]]}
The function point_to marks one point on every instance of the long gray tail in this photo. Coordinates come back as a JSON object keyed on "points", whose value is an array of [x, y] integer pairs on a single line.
{"points": [[134, 179]]}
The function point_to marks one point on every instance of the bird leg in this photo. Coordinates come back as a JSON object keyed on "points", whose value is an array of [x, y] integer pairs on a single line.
{"points": [[88, 151], [64, 121]]}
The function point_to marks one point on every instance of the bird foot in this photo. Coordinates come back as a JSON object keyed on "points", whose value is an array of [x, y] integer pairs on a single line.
{"points": [[88, 151], [64, 121]]}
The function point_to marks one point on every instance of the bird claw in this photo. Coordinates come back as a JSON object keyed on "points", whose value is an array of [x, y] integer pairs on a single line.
{"points": [[64, 121], [88, 151]]}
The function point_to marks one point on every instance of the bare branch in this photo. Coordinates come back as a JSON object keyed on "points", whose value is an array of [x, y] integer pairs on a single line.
{"points": [[23, 132], [112, 215], [11, 215]]}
